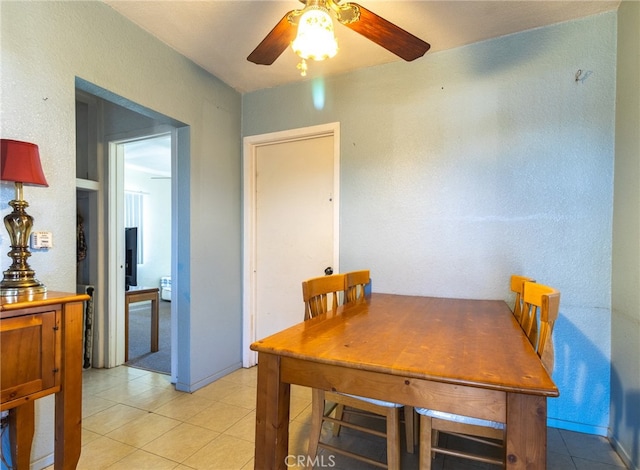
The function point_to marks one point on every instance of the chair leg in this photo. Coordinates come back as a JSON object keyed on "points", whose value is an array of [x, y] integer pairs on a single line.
{"points": [[416, 428], [435, 437], [409, 427], [393, 439], [425, 442], [317, 413], [339, 414]]}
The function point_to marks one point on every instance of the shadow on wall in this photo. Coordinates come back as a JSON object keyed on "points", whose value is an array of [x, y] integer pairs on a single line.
{"points": [[626, 416], [582, 374]]}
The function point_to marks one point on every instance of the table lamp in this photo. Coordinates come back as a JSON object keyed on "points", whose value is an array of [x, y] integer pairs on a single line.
{"points": [[20, 163]]}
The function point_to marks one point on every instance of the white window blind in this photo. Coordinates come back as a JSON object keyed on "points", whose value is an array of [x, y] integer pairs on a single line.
{"points": [[133, 207]]}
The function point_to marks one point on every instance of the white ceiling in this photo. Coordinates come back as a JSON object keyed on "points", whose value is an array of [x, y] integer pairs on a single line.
{"points": [[151, 156], [218, 35]]}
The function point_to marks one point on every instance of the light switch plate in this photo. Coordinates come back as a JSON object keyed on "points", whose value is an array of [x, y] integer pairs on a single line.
{"points": [[41, 240]]}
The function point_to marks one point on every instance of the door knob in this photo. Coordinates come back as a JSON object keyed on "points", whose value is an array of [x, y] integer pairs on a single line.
{"points": [[328, 270]]}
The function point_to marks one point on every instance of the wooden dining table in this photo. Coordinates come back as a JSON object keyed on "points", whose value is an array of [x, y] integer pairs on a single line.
{"points": [[461, 356]]}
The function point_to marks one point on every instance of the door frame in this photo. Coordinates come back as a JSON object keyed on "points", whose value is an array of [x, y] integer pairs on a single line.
{"points": [[250, 150], [114, 334]]}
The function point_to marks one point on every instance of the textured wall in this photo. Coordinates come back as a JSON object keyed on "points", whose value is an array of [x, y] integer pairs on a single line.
{"points": [[468, 165], [625, 328], [45, 47]]}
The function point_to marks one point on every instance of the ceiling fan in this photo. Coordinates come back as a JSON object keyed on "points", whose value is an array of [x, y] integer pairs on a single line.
{"points": [[315, 15]]}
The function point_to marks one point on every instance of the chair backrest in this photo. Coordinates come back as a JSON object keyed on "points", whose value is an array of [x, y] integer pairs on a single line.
{"points": [[355, 282], [541, 309], [316, 290], [517, 286]]}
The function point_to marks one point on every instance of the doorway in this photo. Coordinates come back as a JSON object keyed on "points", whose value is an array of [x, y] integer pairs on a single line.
{"points": [[147, 213], [291, 207], [140, 201], [103, 117]]}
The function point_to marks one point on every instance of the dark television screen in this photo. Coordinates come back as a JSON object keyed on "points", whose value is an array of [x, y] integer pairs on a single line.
{"points": [[131, 257]]}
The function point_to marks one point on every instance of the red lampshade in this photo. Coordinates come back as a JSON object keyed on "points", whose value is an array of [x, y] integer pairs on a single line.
{"points": [[20, 162]]}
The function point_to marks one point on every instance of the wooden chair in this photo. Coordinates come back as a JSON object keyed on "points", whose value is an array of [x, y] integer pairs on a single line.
{"points": [[315, 293], [355, 285], [540, 312], [324, 403], [536, 298], [517, 286]]}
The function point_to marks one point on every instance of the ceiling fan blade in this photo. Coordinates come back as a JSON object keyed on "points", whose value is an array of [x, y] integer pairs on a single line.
{"points": [[388, 35], [275, 42]]}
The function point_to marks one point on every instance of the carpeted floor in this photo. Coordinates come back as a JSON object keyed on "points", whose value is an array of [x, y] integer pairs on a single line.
{"points": [[140, 355]]}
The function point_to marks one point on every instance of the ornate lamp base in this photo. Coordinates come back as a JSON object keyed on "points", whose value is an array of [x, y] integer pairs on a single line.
{"points": [[20, 282], [19, 279], [9, 291]]}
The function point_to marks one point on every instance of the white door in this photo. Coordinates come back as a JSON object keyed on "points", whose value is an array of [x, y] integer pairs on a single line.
{"points": [[295, 216]]}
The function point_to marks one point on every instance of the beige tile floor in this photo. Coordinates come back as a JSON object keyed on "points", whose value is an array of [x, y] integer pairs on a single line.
{"points": [[134, 419]]}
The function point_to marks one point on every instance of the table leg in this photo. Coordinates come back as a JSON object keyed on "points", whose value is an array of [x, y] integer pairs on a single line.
{"points": [[21, 429], [155, 323], [68, 414], [526, 446], [272, 415], [126, 329]]}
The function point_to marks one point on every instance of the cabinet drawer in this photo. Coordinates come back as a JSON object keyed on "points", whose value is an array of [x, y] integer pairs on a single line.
{"points": [[30, 355]]}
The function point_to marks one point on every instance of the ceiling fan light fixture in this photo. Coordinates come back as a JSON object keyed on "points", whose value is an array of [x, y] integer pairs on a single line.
{"points": [[309, 32], [315, 39]]}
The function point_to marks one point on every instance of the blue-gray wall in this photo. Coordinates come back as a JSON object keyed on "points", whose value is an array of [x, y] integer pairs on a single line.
{"points": [[625, 305], [471, 164], [484, 161], [44, 47]]}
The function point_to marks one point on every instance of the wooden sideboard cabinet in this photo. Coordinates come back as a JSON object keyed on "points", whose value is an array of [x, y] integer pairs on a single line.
{"points": [[41, 354]]}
